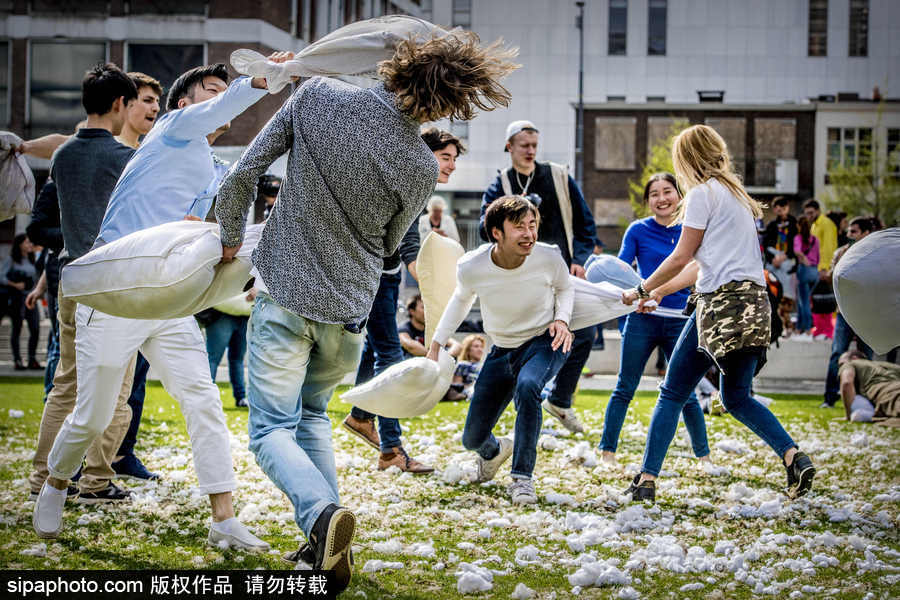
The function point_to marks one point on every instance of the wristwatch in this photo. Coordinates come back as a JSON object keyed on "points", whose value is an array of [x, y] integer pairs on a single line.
{"points": [[641, 292]]}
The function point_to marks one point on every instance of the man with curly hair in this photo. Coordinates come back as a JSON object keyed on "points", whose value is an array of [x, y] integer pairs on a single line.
{"points": [[358, 174]]}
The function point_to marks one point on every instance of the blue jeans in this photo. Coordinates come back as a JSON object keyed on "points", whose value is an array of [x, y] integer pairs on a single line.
{"points": [[295, 364], [843, 335], [52, 344], [381, 350], [229, 332], [807, 276], [643, 333], [687, 365], [136, 402], [570, 373], [521, 372]]}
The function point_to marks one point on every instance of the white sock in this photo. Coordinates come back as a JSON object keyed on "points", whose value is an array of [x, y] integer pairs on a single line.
{"points": [[51, 491]]}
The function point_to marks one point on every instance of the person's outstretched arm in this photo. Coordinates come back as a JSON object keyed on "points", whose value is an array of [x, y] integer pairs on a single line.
{"points": [[459, 306]]}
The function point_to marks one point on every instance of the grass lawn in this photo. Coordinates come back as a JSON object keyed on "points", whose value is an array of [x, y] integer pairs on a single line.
{"points": [[728, 535]]}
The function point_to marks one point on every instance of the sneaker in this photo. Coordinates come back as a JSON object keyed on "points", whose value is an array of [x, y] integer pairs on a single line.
{"points": [[363, 429], [799, 475], [566, 416], [330, 538], [240, 403], [71, 493], [48, 511], [131, 467], [828, 403], [487, 468], [521, 491], [303, 557], [111, 493], [236, 535], [642, 490], [398, 457]]}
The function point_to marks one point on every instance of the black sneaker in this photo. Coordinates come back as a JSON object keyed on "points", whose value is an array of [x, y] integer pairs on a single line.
{"points": [[112, 493], [240, 403], [131, 467], [799, 475], [330, 540], [642, 491], [71, 493]]}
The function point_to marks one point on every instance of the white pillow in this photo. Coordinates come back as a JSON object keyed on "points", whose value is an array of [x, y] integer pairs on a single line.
{"points": [[236, 306], [436, 267], [606, 267], [596, 303], [164, 272], [407, 389]]}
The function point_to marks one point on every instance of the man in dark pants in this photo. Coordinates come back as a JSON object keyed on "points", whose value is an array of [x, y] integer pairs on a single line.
{"points": [[567, 222], [127, 465]]}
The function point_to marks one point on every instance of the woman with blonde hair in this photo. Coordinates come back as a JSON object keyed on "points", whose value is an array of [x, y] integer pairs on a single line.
{"points": [[719, 250], [468, 365]]}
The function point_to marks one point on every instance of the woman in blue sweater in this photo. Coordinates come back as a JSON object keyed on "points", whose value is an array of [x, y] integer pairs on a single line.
{"points": [[650, 241]]}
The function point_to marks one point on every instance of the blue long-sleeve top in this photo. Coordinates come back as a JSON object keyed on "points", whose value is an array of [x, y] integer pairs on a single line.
{"points": [[651, 243]]}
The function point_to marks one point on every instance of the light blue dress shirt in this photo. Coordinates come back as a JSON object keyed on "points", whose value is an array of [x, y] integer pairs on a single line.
{"points": [[173, 174]]}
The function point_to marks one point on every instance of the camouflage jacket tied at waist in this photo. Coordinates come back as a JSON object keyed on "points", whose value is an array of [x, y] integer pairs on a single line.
{"points": [[736, 316]]}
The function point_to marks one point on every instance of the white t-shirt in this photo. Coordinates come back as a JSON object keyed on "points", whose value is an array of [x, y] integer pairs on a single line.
{"points": [[516, 304], [730, 247]]}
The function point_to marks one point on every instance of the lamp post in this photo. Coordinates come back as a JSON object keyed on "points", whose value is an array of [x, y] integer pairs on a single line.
{"points": [[579, 119]]}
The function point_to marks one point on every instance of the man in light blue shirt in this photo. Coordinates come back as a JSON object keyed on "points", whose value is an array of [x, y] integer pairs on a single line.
{"points": [[172, 176]]}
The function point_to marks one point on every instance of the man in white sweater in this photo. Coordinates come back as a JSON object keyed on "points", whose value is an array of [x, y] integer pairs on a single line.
{"points": [[526, 302]]}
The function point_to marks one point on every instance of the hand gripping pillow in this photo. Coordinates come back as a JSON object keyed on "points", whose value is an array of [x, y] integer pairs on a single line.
{"points": [[407, 389], [436, 267], [606, 267], [867, 288], [164, 272], [596, 303]]}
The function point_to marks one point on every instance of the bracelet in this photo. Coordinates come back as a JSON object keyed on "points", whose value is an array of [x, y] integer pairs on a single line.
{"points": [[641, 292]]}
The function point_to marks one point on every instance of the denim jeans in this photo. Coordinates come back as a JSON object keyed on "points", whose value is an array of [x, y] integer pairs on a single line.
{"points": [[136, 402], [843, 335], [807, 276], [229, 332], [569, 374], [687, 365], [512, 372], [52, 344], [643, 333], [295, 364], [381, 350]]}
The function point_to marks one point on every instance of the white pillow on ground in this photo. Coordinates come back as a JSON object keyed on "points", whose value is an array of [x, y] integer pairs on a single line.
{"points": [[407, 389], [436, 267], [164, 272]]}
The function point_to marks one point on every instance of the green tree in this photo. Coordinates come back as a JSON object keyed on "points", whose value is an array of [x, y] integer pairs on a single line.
{"points": [[659, 159], [871, 185]]}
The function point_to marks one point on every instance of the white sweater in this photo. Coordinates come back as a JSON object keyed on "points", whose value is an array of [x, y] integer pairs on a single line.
{"points": [[516, 304]]}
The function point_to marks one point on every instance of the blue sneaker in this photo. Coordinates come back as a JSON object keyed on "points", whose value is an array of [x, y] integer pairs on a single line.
{"points": [[131, 467]]}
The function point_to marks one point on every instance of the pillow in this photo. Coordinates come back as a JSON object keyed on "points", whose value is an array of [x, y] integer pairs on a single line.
{"points": [[164, 272], [436, 267], [606, 267], [236, 306], [596, 303], [407, 389]]}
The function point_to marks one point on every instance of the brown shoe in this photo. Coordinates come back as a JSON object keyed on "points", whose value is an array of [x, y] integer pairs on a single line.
{"points": [[398, 457], [364, 430]]}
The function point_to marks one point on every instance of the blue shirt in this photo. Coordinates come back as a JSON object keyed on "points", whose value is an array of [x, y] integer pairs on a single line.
{"points": [[651, 243], [173, 174]]}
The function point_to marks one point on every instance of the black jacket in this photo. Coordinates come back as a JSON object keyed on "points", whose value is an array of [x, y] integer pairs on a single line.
{"points": [[44, 230]]}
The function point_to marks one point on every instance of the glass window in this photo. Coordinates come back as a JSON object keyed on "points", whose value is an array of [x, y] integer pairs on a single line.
{"points": [[893, 152], [69, 6], [656, 28], [462, 13], [618, 26], [817, 36], [164, 62], [859, 28], [774, 139], [850, 146], [734, 131], [57, 69], [4, 83], [658, 129], [614, 143], [167, 7]]}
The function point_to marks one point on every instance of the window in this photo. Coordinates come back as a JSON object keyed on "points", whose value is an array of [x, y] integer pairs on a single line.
{"points": [[165, 62], [849, 146], [817, 37], [656, 28], [95, 7], [774, 139], [57, 69], [460, 129], [614, 143], [656, 98], [462, 13], [615, 98], [618, 26], [4, 83], [893, 153], [658, 130], [167, 7], [859, 28], [734, 131]]}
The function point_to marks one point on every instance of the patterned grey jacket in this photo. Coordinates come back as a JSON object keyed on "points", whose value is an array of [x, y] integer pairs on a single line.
{"points": [[357, 175]]}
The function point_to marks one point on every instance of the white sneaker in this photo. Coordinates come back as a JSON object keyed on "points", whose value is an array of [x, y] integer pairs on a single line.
{"points": [[521, 491], [487, 469], [236, 535], [48, 511], [566, 416]]}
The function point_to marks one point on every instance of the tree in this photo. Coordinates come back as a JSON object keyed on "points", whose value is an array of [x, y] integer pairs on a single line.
{"points": [[870, 186], [659, 159]]}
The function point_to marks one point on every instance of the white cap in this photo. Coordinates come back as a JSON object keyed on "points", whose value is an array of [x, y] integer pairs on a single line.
{"points": [[517, 127]]}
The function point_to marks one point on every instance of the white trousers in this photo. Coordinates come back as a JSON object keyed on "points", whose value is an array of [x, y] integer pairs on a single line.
{"points": [[177, 352]]}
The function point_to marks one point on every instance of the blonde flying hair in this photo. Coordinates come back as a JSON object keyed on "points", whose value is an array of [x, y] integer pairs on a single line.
{"points": [[448, 76], [467, 343], [699, 154]]}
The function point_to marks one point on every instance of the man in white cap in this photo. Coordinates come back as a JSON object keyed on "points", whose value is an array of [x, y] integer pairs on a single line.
{"points": [[567, 222]]}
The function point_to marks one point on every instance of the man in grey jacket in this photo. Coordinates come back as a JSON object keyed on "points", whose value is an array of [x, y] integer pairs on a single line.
{"points": [[358, 174]]}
